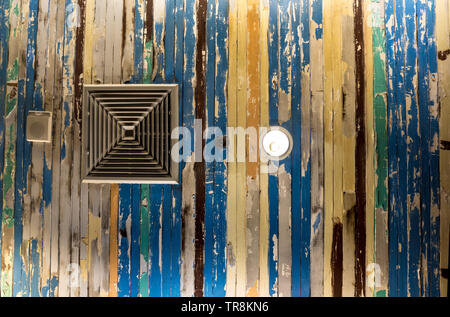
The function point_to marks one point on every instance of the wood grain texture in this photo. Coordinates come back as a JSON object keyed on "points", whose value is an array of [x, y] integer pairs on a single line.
{"points": [[357, 209]]}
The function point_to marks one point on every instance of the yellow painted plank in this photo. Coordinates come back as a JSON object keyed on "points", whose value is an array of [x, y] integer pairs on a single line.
{"points": [[328, 143], [263, 172], [370, 144], [345, 136], [241, 248], [252, 168]]}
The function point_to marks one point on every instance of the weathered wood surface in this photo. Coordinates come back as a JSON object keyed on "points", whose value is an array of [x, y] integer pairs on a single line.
{"points": [[359, 208]]}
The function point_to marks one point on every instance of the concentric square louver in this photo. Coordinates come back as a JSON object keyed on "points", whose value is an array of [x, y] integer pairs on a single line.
{"points": [[126, 134]]}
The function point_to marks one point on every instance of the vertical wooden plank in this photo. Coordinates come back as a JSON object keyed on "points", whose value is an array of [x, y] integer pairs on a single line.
{"points": [[134, 245], [381, 148], [155, 221], [127, 25], [36, 183], [199, 166], [113, 75], [360, 150], [392, 164], [397, 147], [220, 121], [317, 150], [369, 268], [27, 243], [413, 146], [305, 141], [123, 284], [209, 164], [210, 136], [79, 14], [188, 179], [402, 151], [328, 143], [4, 46], [165, 241], [113, 246], [284, 170], [144, 245], [21, 278], [299, 81], [45, 281], [264, 166], [433, 261], [443, 47], [18, 264], [336, 20], [145, 7], [65, 203], [156, 251], [345, 134], [252, 168], [241, 111], [231, 157], [176, 239], [273, 79], [169, 51], [84, 209], [129, 195], [95, 190], [105, 208], [145, 190], [8, 172]]}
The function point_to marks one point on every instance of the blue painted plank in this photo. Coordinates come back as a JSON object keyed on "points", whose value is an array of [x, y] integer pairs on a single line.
{"points": [[402, 220], [434, 256], [273, 120], [155, 226], [138, 77], [123, 284], [306, 178], [296, 155], [413, 182], [424, 126], [220, 185], [135, 233], [23, 156], [166, 243], [209, 165]]}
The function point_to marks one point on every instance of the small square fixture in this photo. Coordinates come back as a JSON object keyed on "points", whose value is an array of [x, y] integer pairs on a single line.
{"points": [[127, 134], [39, 126]]}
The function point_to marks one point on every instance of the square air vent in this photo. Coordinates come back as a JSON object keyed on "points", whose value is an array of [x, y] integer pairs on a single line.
{"points": [[126, 134], [39, 126]]}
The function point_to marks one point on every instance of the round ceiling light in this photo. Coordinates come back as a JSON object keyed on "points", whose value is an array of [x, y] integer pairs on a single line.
{"points": [[277, 143]]}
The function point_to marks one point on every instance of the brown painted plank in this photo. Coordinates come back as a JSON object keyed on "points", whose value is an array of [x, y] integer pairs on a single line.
{"points": [[199, 167]]}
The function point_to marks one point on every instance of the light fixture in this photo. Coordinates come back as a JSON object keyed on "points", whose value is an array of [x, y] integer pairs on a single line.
{"points": [[277, 143]]}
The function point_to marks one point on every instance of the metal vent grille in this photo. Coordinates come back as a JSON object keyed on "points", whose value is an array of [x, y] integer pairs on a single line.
{"points": [[126, 133]]}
